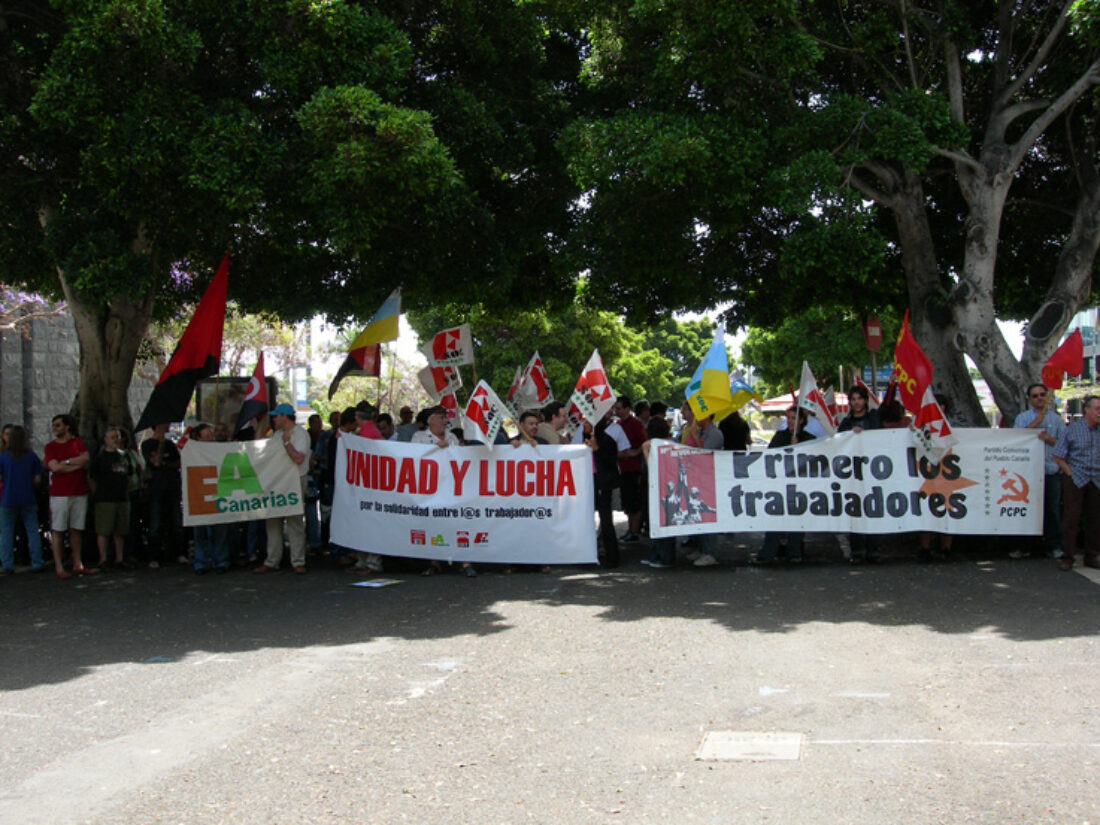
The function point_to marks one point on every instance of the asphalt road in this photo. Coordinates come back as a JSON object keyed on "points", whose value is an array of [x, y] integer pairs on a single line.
{"points": [[958, 692]]}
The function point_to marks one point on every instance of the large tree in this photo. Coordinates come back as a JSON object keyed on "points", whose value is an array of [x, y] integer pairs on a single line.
{"points": [[141, 138], [785, 153]]}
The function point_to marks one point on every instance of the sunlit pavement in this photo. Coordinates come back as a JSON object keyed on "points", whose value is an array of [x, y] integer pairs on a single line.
{"points": [[958, 691]]}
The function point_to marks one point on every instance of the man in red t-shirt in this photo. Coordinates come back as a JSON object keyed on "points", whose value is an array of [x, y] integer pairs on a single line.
{"points": [[631, 480], [65, 459]]}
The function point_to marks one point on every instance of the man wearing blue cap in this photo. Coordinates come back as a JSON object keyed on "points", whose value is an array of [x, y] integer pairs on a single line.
{"points": [[295, 441]]}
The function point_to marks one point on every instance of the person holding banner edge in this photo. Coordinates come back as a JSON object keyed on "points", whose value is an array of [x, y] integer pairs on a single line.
{"points": [[295, 440], [1050, 427], [1077, 454]]}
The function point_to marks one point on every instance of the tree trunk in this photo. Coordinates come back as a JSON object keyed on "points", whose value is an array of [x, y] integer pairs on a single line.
{"points": [[1072, 283], [972, 299], [930, 312], [109, 334]]}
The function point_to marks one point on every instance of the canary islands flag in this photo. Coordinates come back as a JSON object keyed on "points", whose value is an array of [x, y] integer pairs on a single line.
{"points": [[708, 392], [364, 355]]}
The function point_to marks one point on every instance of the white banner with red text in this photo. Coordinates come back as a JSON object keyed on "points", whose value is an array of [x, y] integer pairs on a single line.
{"points": [[990, 483], [512, 505], [238, 481]]}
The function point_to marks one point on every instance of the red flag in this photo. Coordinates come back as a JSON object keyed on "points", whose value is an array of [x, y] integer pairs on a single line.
{"points": [[912, 369], [1069, 357], [255, 402], [198, 355]]}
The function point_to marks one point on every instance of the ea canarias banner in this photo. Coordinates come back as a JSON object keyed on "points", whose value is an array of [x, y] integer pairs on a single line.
{"points": [[507, 504], [238, 481], [990, 482]]}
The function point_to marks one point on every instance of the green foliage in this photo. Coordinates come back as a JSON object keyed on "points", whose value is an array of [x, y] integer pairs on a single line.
{"points": [[826, 337]]}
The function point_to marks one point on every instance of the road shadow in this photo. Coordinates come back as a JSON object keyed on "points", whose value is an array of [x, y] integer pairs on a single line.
{"points": [[57, 631]]}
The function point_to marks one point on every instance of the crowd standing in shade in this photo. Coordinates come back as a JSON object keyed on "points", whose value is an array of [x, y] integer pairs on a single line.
{"points": [[137, 495]]}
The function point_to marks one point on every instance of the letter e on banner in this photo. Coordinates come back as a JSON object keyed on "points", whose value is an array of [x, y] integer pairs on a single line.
{"points": [[202, 487]]}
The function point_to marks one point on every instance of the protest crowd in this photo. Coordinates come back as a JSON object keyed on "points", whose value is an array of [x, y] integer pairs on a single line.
{"points": [[658, 464], [119, 506]]}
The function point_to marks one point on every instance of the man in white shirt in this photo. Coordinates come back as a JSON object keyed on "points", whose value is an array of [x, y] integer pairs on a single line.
{"points": [[295, 441], [437, 432]]}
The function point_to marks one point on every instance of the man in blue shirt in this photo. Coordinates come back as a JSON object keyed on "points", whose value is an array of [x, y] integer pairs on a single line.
{"points": [[1049, 427], [1077, 455]]}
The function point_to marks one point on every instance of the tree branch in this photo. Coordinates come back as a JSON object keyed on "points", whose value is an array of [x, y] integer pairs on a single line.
{"points": [[858, 182], [960, 157], [954, 81], [1040, 57], [908, 48], [1090, 77]]}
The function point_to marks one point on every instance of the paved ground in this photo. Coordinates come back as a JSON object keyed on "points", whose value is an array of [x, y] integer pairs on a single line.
{"points": [[958, 692]]}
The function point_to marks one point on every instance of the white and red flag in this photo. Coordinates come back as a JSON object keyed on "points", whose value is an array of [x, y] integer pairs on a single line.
{"points": [[534, 390], [592, 396], [931, 430], [450, 347], [510, 401], [872, 399], [830, 403], [811, 399], [484, 415], [449, 403], [255, 405], [438, 381]]}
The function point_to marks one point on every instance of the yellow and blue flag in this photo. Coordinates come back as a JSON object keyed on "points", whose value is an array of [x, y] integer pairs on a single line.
{"points": [[742, 393], [708, 392]]}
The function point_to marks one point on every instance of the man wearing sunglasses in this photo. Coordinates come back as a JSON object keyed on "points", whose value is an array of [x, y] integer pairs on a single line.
{"points": [[1048, 426]]}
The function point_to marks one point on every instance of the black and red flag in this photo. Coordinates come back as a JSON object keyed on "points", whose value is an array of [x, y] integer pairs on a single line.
{"points": [[255, 404], [198, 355]]}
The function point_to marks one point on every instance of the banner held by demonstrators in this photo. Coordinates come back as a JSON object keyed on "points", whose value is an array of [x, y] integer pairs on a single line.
{"points": [[459, 504], [990, 483], [234, 481]]}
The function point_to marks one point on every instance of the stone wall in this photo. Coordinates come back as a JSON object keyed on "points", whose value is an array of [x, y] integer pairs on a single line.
{"points": [[40, 373]]}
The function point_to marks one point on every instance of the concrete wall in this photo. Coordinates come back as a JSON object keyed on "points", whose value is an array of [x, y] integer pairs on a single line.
{"points": [[40, 373]]}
